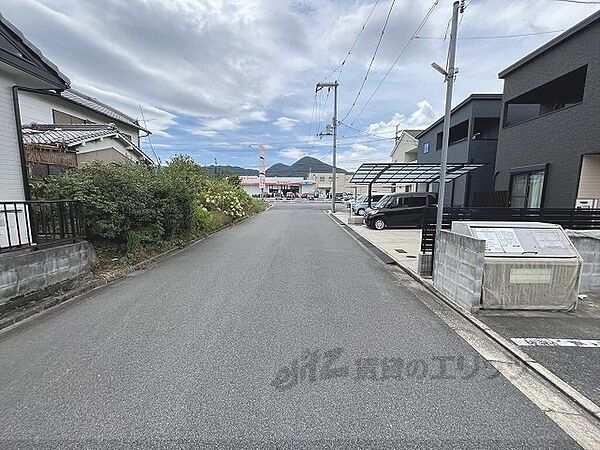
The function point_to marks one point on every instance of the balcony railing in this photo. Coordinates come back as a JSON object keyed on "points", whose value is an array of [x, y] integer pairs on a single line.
{"points": [[39, 223]]}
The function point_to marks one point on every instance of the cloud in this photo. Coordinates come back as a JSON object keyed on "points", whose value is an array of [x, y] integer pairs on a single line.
{"points": [[230, 67], [205, 133], [224, 123], [285, 123], [359, 153], [421, 118], [292, 153]]}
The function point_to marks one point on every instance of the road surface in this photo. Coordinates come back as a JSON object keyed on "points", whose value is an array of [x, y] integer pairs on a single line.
{"points": [[279, 332]]}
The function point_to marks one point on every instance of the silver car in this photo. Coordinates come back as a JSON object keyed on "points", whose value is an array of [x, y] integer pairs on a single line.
{"points": [[361, 204]]}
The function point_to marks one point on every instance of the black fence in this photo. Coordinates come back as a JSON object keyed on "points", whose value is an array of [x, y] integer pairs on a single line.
{"points": [[574, 219], [39, 223]]}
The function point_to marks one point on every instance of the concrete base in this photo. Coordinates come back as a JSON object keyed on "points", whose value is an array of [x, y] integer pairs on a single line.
{"points": [[355, 220]]}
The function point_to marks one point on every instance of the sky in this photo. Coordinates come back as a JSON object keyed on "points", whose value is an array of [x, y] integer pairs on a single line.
{"points": [[214, 78]]}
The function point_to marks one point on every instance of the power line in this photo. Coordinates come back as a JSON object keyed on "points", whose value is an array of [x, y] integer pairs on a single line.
{"points": [[365, 132], [340, 66], [416, 32], [387, 19], [504, 36]]}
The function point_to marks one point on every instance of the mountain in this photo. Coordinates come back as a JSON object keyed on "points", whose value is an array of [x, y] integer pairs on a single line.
{"points": [[230, 171], [301, 168]]}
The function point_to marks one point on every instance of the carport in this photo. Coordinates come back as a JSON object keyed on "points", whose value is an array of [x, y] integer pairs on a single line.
{"points": [[407, 172]]}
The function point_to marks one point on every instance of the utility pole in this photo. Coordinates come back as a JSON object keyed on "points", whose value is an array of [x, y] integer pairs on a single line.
{"points": [[449, 74], [333, 85]]}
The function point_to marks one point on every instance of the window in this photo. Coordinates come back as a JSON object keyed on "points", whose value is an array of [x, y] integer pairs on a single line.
{"points": [[321, 179], [557, 94], [486, 128], [62, 118], [43, 171], [459, 132], [526, 189], [413, 202], [426, 148], [438, 142]]}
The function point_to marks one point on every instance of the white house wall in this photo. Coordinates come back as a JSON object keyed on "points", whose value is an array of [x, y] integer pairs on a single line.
{"points": [[107, 150], [37, 108], [405, 145], [11, 178]]}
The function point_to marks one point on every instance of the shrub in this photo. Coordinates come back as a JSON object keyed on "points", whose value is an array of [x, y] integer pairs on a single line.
{"points": [[135, 206]]}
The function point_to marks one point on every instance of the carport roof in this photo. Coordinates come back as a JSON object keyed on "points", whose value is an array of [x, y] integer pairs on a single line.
{"points": [[409, 172]]}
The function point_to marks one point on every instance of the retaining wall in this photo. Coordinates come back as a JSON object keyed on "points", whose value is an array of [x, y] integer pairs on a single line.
{"points": [[25, 272], [458, 268]]}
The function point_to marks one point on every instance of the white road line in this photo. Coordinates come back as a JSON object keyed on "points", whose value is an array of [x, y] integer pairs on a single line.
{"points": [[551, 342]]}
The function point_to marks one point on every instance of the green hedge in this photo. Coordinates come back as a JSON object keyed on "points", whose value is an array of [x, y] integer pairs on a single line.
{"points": [[133, 205]]}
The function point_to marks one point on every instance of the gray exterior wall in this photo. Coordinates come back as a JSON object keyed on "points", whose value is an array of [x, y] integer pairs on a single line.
{"points": [[460, 192], [559, 138]]}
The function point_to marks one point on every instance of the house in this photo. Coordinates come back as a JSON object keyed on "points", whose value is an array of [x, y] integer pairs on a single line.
{"points": [[68, 113], [72, 107], [22, 66], [549, 143], [50, 149], [323, 182], [474, 125], [405, 150]]}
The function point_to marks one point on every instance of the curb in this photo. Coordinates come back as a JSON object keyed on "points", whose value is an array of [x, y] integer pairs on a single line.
{"points": [[18, 317], [562, 386]]}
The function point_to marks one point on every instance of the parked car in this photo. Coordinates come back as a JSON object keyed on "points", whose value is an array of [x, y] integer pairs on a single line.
{"points": [[399, 210], [339, 197], [290, 196], [304, 195], [360, 206]]}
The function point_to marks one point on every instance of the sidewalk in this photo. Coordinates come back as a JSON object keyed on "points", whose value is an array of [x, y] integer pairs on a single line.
{"points": [[566, 343], [402, 245]]}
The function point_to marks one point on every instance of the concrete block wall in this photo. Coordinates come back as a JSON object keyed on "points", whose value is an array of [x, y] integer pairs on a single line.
{"points": [[458, 268], [25, 272], [587, 244]]}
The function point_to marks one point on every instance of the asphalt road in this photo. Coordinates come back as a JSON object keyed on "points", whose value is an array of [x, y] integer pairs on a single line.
{"points": [[279, 332]]}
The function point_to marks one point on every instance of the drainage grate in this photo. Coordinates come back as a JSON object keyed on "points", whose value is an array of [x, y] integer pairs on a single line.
{"points": [[400, 250]]}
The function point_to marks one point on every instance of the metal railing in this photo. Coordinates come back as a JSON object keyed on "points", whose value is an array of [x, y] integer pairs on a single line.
{"points": [[39, 223], [571, 218]]}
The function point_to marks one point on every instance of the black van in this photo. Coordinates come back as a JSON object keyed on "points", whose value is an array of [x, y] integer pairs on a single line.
{"points": [[400, 210]]}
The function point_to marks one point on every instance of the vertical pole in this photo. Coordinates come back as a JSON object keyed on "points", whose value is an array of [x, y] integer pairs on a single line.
{"points": [[446, 133], [333, 184]]}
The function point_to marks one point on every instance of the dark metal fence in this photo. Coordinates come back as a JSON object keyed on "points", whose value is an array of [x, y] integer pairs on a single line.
{"points": [[39, 223], [574, 219]]}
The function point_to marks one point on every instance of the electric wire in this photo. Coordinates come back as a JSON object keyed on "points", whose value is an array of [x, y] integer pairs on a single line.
{"points": [[415, 33], [385, 24], [340, 66]]}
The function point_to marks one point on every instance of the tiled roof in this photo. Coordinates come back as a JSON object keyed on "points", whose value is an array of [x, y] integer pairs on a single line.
{"points": [[96, 105], [73, 135], [66, 134]]}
